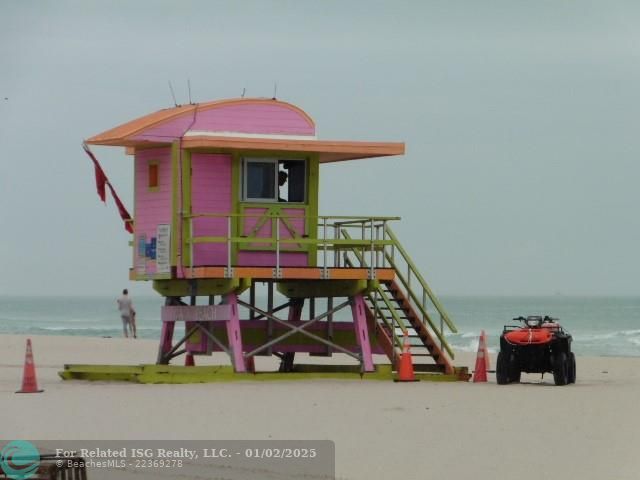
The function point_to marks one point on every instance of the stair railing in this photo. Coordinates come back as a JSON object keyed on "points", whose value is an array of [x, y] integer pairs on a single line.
{"points": [[424, 299], [392, 323]]}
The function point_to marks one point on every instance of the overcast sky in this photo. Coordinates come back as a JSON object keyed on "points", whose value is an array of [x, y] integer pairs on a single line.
{"points": [[520, 121]]}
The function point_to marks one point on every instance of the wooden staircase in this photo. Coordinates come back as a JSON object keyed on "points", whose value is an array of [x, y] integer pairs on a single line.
{"points": [[405, 305], [391, 302]]}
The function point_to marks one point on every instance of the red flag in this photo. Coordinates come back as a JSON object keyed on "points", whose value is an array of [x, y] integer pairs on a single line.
{"points": [[101, 178], [128, 223], [101, 181]]}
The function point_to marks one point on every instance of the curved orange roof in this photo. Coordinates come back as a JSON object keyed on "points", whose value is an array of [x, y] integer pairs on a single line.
{"points": [[121, 134], [132, 136]]}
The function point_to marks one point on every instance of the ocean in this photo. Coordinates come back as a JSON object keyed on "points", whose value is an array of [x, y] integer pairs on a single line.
{"points": [[601, 326]]}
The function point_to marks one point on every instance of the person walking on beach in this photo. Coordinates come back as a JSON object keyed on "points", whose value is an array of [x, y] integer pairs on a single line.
{"points": [[127, 314]]}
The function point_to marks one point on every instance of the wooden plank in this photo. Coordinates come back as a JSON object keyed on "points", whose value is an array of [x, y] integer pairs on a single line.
{"points": [[348, 273], [362, 331], [234, 333], [301, 273], [253, 272], [204, 272], [386, 274], [174, 374]]}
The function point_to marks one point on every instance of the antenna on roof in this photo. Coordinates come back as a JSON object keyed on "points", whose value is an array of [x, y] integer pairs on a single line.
{"points": [[243, 91], [275, 90], [173, 95], [189, 88]]}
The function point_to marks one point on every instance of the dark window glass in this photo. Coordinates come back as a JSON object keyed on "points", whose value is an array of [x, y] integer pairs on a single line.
{"points": [[296, 181], [261, 180]]}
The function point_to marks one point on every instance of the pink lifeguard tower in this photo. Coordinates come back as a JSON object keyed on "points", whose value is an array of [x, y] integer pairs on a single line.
{"points": [[226, 205]]}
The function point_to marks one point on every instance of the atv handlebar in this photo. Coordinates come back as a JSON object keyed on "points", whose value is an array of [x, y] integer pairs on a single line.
{"points": [[546, 319]]}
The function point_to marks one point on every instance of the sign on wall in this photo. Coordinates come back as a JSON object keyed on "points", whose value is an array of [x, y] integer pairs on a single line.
{"points": [[163, 249]]}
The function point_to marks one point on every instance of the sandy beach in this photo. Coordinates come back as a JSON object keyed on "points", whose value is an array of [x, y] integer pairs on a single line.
{"points": [[381, 430]]}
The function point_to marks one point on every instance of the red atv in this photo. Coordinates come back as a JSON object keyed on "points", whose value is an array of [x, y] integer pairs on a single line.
{"points": [[541, 346]]}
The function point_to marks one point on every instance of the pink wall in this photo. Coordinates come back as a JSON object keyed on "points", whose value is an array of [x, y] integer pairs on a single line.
{"points": [[151, 207], [259, 118], [243, 118], [210, 193]]}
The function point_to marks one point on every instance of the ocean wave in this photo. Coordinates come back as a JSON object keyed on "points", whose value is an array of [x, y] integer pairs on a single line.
{"points": [[469, 334], [471, 346], [618, 342], [70, 328], [598, 336]]}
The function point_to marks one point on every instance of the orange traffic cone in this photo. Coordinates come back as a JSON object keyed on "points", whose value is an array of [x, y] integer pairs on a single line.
{"points": [[480, 372], [188, 360], [486, 350], [405, 370], [29, 382]]}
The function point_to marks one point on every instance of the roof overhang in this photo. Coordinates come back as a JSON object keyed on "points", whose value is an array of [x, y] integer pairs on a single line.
{"points": [[327, 150]]}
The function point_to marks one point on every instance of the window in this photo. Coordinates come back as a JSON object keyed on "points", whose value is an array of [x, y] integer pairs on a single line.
{"points": [[273, 180], [154, 176], [260, 179]]}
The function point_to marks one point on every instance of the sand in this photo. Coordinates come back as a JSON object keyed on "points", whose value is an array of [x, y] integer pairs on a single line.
{"points": [[423, 430]]}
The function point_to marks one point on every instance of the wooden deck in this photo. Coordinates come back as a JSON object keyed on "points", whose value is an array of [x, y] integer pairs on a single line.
{"points": [[291, 273], [269, 273]]}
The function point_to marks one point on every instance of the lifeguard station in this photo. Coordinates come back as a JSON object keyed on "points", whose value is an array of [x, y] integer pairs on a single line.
{"points": [[226, 204]]}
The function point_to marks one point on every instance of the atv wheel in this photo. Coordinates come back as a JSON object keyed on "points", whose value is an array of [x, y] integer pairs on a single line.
{"points": [[514, 369], [572, 368], [560, 368], [502, 369]]}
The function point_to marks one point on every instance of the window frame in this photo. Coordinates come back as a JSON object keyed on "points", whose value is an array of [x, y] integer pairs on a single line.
{"points": [[276, 161], [245, 179], [153, 164]]}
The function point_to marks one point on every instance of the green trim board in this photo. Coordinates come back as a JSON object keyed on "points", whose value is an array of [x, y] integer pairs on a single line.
{"points": [[133, 242], [313, 182], [175, 201], [236, 189], [206, 374], [172, 374], [186, 207], [333, 244]]}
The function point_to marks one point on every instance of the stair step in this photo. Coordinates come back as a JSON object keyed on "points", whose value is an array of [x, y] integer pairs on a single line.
{"points": [[383, 304], [387, 308], [390, 297]]}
